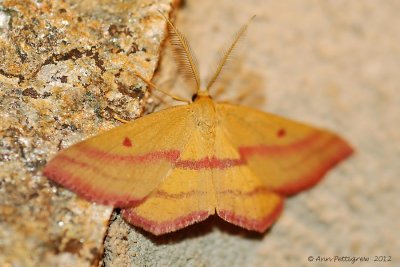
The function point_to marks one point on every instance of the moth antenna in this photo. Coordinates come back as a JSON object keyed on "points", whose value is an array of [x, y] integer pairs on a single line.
{"points": [[227, 52], [152, 86], [184, 56]]}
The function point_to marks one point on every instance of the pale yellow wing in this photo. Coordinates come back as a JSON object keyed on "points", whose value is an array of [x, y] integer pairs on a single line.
{"points": [[286, 155], [122, 166], [264, 157], [242, 197], [187, 195]]}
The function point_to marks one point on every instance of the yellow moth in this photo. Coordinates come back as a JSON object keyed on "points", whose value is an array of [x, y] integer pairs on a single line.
{"points": [[175, 167]]}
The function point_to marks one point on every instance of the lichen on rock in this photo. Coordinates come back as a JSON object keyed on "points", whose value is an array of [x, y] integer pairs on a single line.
{"points": [[66, 68]]}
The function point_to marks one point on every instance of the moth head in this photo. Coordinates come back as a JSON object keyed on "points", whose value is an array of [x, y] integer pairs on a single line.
{"points": [[187, 61]]}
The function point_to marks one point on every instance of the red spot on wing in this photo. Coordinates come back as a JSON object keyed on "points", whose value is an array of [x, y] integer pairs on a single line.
{"points": [[127, 142], [281, 133]]}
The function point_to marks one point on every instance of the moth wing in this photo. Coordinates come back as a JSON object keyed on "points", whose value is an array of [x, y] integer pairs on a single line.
{"points": [[270, 157], [288, 156], [187, 194], [184, 198], [242, 197], [122, 166]]}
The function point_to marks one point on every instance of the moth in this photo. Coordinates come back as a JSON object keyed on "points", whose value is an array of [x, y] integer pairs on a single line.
{"points": [[178, 166]]}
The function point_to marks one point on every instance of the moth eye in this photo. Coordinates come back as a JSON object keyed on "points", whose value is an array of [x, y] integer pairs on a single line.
{"points": [[194, 97]]}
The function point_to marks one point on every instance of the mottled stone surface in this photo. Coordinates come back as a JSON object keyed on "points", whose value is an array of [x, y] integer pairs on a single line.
{"points": [[65, 71]]}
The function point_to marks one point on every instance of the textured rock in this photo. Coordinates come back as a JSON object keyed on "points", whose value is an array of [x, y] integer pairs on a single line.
{"points": [[65, 71]]}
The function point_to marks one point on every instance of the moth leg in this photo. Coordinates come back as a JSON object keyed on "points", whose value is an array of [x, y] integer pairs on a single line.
{"points": [[120, 119]]}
